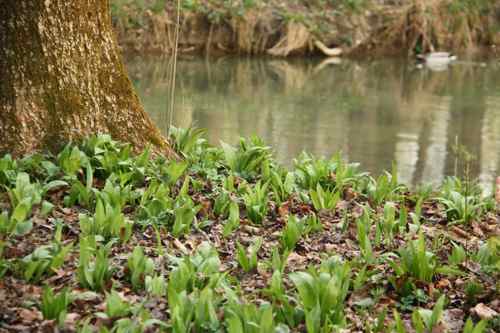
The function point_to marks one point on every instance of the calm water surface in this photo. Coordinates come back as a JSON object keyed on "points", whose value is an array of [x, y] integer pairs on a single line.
{"points": [[374, 112]]}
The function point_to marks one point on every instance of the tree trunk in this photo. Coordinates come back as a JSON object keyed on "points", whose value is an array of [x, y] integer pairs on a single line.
{"points": [[62, 78]]}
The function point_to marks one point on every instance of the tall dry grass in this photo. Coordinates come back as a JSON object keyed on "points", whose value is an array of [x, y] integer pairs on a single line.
{"points": [[431, 25]]}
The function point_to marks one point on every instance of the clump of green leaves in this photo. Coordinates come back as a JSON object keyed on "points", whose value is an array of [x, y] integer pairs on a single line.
{"points": [[363, 227], [155, 204], [247, 159], [388, 225], [196, 271], [81, 193], [185, 213], [457, 256], [221, 203], [71, 160], [187, 141], [116, 306], [461, 208], [324, 199], [94, 269], [55, 306], [478, 328], [488, 255], [24, 190], [472, 290], [139, 267], [181, 310], [256, 200], [158, 208], [8, 170], [116, 194], [4, 263], [416, 261], [248, 260], [156, 285], [346, 174], [46, 259], [425, 320], [292, 233], [108, 222], [173, 171], [282, 185], [17, 223], [244, 317], [23, 196], [322, 294], [233, 220], [108, 157], [311, 171], [195, 311], [191, 297], [205, 314], [139, 321], [285, 310], [385, 187]]}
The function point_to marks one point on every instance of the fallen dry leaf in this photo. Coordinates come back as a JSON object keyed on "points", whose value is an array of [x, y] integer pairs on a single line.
{"points": [[443, 283], [453, 320], [460, 232], [476, 229], [295, 259], [483, 311], [29, 315]]}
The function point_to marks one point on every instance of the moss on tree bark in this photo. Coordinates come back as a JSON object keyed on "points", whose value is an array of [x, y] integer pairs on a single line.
{"points": [[62, 78]]}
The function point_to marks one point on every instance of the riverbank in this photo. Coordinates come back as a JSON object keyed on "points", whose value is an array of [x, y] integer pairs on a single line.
{"points": [[334, 27], [229, 240]]}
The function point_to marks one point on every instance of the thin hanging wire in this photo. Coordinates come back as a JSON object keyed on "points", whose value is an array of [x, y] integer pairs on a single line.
{"points": [[173, 72]]}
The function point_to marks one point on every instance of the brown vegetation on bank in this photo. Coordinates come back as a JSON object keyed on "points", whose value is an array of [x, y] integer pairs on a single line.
{"points": [[326, 27]]}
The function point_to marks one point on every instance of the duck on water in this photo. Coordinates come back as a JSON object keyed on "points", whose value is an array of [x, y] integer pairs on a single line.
{"points": [[436, 61]]}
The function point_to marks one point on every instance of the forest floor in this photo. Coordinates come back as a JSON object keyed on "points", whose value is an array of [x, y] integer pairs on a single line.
{"points": [[299, 27], [228, 240]]}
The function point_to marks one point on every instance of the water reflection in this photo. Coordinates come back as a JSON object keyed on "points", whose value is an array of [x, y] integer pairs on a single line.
{"points": [[374, 112]]}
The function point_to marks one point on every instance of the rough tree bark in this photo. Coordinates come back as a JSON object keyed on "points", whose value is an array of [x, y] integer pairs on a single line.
{"points": [[62, 78]]}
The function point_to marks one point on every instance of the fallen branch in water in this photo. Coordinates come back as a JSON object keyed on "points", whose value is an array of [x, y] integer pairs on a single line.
{"points": [[330, 52]]}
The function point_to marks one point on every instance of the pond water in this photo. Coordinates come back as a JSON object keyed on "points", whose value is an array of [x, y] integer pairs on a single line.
{"points": [[375, 112]]}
